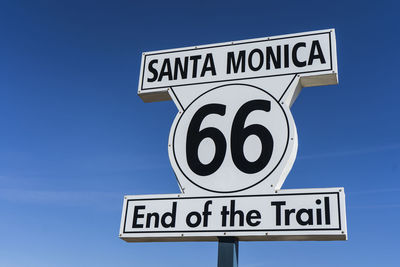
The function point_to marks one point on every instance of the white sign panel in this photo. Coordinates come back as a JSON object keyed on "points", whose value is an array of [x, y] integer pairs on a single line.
{"points": [[233, 142], [225, 144], [310, 54], [307, 214]]}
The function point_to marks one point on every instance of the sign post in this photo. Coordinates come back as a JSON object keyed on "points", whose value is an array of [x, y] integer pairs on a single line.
{"points": [[228, 252], [233, 142]]}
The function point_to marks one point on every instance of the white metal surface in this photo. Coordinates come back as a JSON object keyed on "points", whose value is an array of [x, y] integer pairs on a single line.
{"points": [[312, 55], [301, 214], [234, 141], [265, 113]]}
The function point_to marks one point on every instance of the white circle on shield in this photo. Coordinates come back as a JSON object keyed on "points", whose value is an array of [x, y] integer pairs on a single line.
{"points": [[230, 138]]}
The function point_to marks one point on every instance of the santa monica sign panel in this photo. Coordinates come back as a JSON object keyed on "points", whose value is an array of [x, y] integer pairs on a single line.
{"points": [[233, 142], [304, 53]]}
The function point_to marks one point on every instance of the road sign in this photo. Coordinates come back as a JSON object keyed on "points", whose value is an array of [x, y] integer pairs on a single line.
{"points": [[234, 140], [310, 54], [305, 214], [234, 129]]}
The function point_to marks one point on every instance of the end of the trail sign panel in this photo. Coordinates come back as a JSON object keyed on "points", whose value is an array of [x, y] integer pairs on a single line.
{"points": [[234, 141], [307, 214]]}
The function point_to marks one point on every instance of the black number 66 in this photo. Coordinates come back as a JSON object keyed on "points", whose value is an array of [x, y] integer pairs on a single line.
{"points": [[239, 134]]}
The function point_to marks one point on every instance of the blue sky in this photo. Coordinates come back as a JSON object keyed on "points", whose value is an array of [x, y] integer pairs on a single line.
{"points": [[75, 137]]}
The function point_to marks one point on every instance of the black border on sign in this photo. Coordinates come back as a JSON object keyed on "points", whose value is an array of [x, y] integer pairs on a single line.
{"points": [[240, 196], [276, 166], [241, 43]]}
